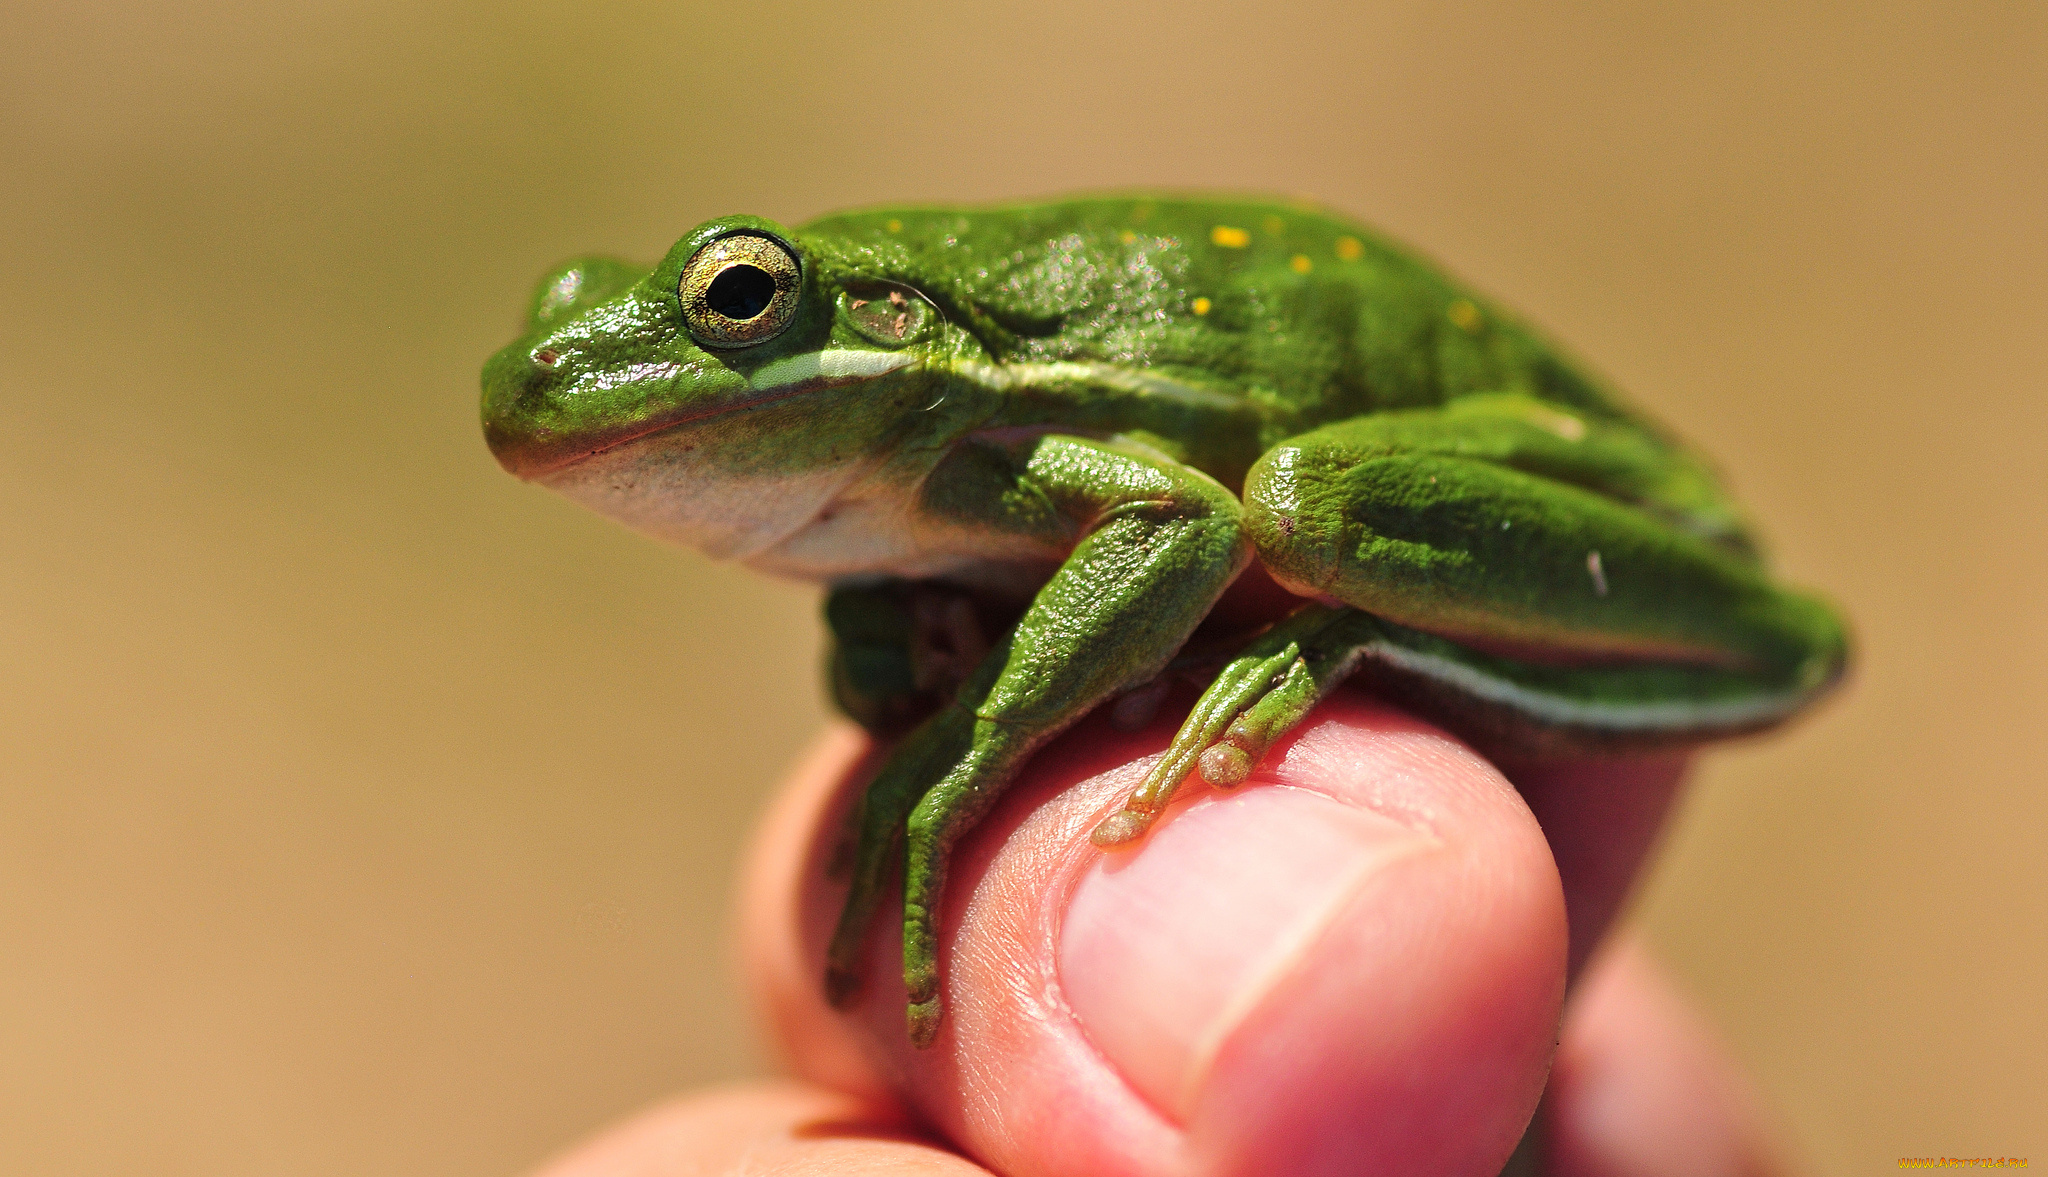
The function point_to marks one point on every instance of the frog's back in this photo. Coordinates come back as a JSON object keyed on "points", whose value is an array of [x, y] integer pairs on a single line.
{"points": [[1305, 316]]}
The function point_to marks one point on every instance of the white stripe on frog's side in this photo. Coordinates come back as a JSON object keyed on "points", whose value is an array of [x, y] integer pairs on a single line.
{"points": [[860, 364], [1646, 717], [829, 364], [1005, 377]]}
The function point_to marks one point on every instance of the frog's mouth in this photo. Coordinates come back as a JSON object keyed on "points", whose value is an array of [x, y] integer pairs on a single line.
{"points": [[532, 453]]}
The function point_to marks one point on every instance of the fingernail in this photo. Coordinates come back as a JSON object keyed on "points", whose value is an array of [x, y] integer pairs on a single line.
{"points": [[1169, 944]]}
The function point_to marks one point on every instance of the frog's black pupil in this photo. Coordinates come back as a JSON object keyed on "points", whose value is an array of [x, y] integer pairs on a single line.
{"points": [[740, 292]]}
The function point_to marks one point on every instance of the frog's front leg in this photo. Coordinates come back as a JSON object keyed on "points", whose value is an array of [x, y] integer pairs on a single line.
{"points": [[1148, 546]]}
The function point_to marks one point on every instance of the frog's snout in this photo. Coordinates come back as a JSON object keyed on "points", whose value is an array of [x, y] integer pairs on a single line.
{"points": [[523, 421], [515, 383]]}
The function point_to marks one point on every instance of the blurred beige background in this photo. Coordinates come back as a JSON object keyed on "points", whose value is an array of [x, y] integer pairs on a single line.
{"points": [[365, 811]]}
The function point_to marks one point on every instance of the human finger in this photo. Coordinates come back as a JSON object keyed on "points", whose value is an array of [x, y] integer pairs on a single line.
{"points": [[1643, 1088], [1601, 818], [1353, 963], [758, 1129]]}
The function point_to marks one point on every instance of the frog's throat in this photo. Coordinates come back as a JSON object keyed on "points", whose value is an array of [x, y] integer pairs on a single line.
{"points": [[684, 494], [777, 380]]}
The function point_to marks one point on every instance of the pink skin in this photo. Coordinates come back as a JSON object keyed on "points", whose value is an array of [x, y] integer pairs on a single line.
{"points": [[1353, 963]]}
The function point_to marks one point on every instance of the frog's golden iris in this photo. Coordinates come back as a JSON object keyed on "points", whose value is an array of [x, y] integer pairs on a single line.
{"points": [[740, 290]]}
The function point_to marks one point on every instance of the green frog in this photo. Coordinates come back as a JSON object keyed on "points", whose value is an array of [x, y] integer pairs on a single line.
{"points": [[1031, 447]]}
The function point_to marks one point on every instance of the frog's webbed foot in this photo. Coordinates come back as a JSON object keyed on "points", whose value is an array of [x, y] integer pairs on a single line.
{"points": [[1259, 695]]}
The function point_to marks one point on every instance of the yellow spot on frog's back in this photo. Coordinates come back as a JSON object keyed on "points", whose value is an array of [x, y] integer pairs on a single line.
{"points": [[1200, 306], [1563, 424], [1273, 226], [1229, 237], [1464, 314], [1300, 264], [895, 226], [1350, 249], [1548, 419], [1126, 236]]}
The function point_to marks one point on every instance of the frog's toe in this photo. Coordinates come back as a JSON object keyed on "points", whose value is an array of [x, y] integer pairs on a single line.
{"points": [[1261, 694], [924, 1018], [1125, 825], [1226, 765]]}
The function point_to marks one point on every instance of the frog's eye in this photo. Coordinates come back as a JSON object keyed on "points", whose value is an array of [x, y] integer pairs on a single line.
{"points": [[740, 290]]}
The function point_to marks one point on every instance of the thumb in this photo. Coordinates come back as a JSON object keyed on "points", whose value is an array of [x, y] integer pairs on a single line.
{"points": [[1352, 963]]}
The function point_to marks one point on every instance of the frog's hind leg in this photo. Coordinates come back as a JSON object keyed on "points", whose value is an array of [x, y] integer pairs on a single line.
{"points": [[1546, 554], [1528, 598]]}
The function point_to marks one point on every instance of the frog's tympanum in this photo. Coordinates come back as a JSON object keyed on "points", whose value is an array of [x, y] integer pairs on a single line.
{"points": [[1029, 448]]}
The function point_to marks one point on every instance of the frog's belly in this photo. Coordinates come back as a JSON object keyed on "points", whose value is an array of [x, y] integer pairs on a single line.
{"points": [[672, 493], [882, 535]]}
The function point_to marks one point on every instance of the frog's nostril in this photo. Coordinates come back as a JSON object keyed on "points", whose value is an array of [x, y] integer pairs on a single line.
{"points": [[547, 357], [515, 384]]}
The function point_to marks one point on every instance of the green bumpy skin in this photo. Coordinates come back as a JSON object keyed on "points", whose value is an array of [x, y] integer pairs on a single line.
{"points": [[1029, 447]]}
